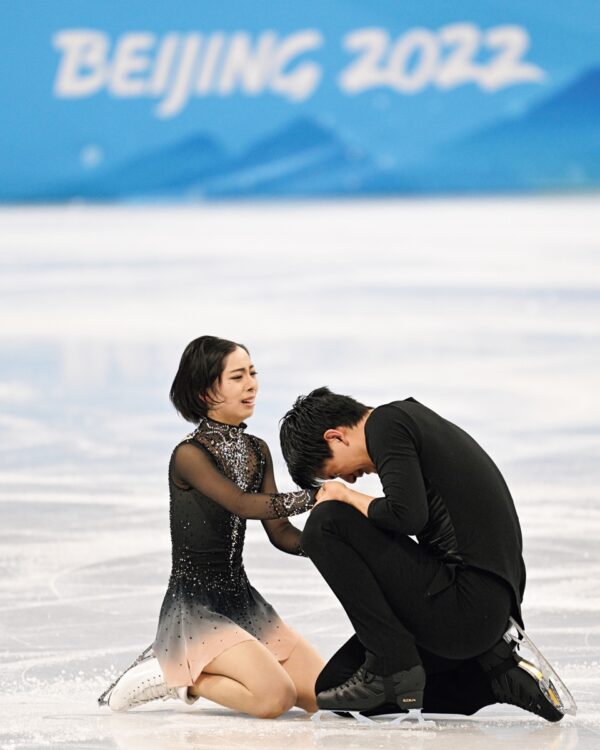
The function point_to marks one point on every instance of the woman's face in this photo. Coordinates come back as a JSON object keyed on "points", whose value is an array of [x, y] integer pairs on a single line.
{"points": [[235, 390]]}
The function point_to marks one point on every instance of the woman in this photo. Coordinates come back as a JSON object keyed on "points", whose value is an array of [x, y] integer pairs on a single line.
{"points": [[217, 637]]}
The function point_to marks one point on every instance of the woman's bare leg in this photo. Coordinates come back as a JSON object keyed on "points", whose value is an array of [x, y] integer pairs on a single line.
{"points": [[248, 678], [303, 666]]}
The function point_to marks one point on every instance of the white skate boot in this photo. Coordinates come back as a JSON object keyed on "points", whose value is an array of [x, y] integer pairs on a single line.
{"points": [[141, 683]]}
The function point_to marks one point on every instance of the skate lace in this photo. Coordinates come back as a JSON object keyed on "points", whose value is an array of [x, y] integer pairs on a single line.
{"points": [[360, 677], [154, 692]]}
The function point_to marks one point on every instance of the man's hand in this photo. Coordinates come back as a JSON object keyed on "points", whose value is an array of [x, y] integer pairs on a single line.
{"points": [[339, 491], [332, 491]]}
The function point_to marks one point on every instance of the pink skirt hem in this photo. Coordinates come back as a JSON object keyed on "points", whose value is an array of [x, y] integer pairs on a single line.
{"points": [[186, 672]]}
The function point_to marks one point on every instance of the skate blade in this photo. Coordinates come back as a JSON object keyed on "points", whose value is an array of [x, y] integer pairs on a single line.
{"points": [[536, 664], [411, 719]]}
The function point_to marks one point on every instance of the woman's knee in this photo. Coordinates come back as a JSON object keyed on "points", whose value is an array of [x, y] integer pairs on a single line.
{"points": [[276, 702], [307, 702]]}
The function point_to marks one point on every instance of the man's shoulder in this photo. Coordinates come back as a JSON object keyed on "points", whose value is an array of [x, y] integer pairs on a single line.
{"points": [[386, 415], [395, 409], [392, 424]]}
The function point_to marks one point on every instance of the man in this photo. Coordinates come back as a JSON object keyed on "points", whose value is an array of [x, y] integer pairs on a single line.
{"points": [[429, 614]]}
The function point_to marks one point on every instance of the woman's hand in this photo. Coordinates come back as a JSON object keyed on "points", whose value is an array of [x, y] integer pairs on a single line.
{"points": [[339, 491], [332, 491]]}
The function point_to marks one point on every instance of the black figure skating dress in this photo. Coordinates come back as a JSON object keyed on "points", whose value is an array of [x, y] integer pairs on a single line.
{"points": [[210, 605]]}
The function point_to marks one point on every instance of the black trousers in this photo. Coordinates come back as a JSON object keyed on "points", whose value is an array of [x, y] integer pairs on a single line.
{"points": [[406, 608]]}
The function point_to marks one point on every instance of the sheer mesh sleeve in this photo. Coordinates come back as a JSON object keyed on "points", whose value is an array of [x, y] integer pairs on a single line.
{"points": [[282, 534], [194, 466]]}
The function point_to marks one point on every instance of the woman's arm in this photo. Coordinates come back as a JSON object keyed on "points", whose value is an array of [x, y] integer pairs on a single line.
{"points": [[282, 534], [194, 466]]}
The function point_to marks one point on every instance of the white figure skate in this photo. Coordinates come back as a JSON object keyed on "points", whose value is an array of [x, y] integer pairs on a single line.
{"points": [[141, 682]]}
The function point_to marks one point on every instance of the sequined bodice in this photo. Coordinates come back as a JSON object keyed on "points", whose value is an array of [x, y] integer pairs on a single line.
{"points": [[205, 537], [236, 453]]}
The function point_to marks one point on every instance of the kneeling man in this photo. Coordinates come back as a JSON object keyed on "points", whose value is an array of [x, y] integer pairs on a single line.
{"points": [[429, 614]]}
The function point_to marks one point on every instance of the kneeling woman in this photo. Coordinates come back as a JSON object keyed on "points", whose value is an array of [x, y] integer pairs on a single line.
{"points": [[217, 637]]}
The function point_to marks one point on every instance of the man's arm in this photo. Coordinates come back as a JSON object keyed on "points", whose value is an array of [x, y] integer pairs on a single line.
{"points": [[345, 494], [392, 444]]}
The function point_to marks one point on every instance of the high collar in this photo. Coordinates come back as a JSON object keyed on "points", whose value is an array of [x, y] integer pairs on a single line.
{"points": [[223, 426]]}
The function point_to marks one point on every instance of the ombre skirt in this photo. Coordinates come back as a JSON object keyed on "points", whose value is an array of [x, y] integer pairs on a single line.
{"points": [[204, 615]]}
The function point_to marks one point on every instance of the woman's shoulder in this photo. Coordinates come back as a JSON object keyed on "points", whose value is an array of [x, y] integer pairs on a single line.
{"points": [[190, 454], [260, 443], [191, 443]]}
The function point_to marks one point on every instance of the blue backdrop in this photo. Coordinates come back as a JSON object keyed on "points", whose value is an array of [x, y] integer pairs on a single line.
{"points": [[185, 100]]}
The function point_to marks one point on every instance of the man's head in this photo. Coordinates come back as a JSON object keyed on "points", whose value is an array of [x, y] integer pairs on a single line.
{"points": [[322, 437]]}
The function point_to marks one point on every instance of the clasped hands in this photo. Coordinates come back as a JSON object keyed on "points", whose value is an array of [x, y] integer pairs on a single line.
{"points": [[343, 493], [332, 491]]}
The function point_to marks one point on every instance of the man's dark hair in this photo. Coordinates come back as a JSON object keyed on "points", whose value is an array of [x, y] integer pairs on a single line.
{"points": [[201, 365], [301, 431]]}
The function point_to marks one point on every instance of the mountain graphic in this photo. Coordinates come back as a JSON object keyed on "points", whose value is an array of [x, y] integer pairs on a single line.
{"points": [[554, 145], [157, 173], [304, 157]]}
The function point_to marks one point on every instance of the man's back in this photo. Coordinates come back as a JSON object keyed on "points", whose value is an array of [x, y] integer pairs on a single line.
{"points": [[441, 486]]}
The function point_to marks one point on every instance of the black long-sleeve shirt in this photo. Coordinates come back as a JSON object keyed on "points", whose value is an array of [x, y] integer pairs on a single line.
{"points": [[442, 487]]}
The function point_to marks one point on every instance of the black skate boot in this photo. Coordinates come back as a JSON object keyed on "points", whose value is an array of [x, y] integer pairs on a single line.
{"points": [[365, 691], [519, 682]]}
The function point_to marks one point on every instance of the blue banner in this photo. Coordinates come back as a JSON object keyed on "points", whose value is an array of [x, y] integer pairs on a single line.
{"points": [[187, 100]]}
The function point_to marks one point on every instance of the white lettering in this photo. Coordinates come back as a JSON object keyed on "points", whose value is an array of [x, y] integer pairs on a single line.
{"points": [[246, 69], [424, 44], [212, 50], [179, 94], [82, 68], [176, 66], [301, 82], [508, 66], [463, 40], [415, 60], [368, 69], [130, 57], [164, 65]]}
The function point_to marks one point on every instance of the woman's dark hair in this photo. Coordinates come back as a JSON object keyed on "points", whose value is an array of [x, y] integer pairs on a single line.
{"points": [[200, 366], [301, 431]]}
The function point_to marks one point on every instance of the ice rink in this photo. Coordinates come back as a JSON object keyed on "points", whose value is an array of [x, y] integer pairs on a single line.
{"points": [[488, 311]]}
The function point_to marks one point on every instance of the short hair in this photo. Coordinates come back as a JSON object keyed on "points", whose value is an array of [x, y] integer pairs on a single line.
{"points": [[201, 365], [301, 431]]}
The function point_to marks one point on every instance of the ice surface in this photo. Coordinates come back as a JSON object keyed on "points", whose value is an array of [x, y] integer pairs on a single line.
{"points": [[487, 311]]}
